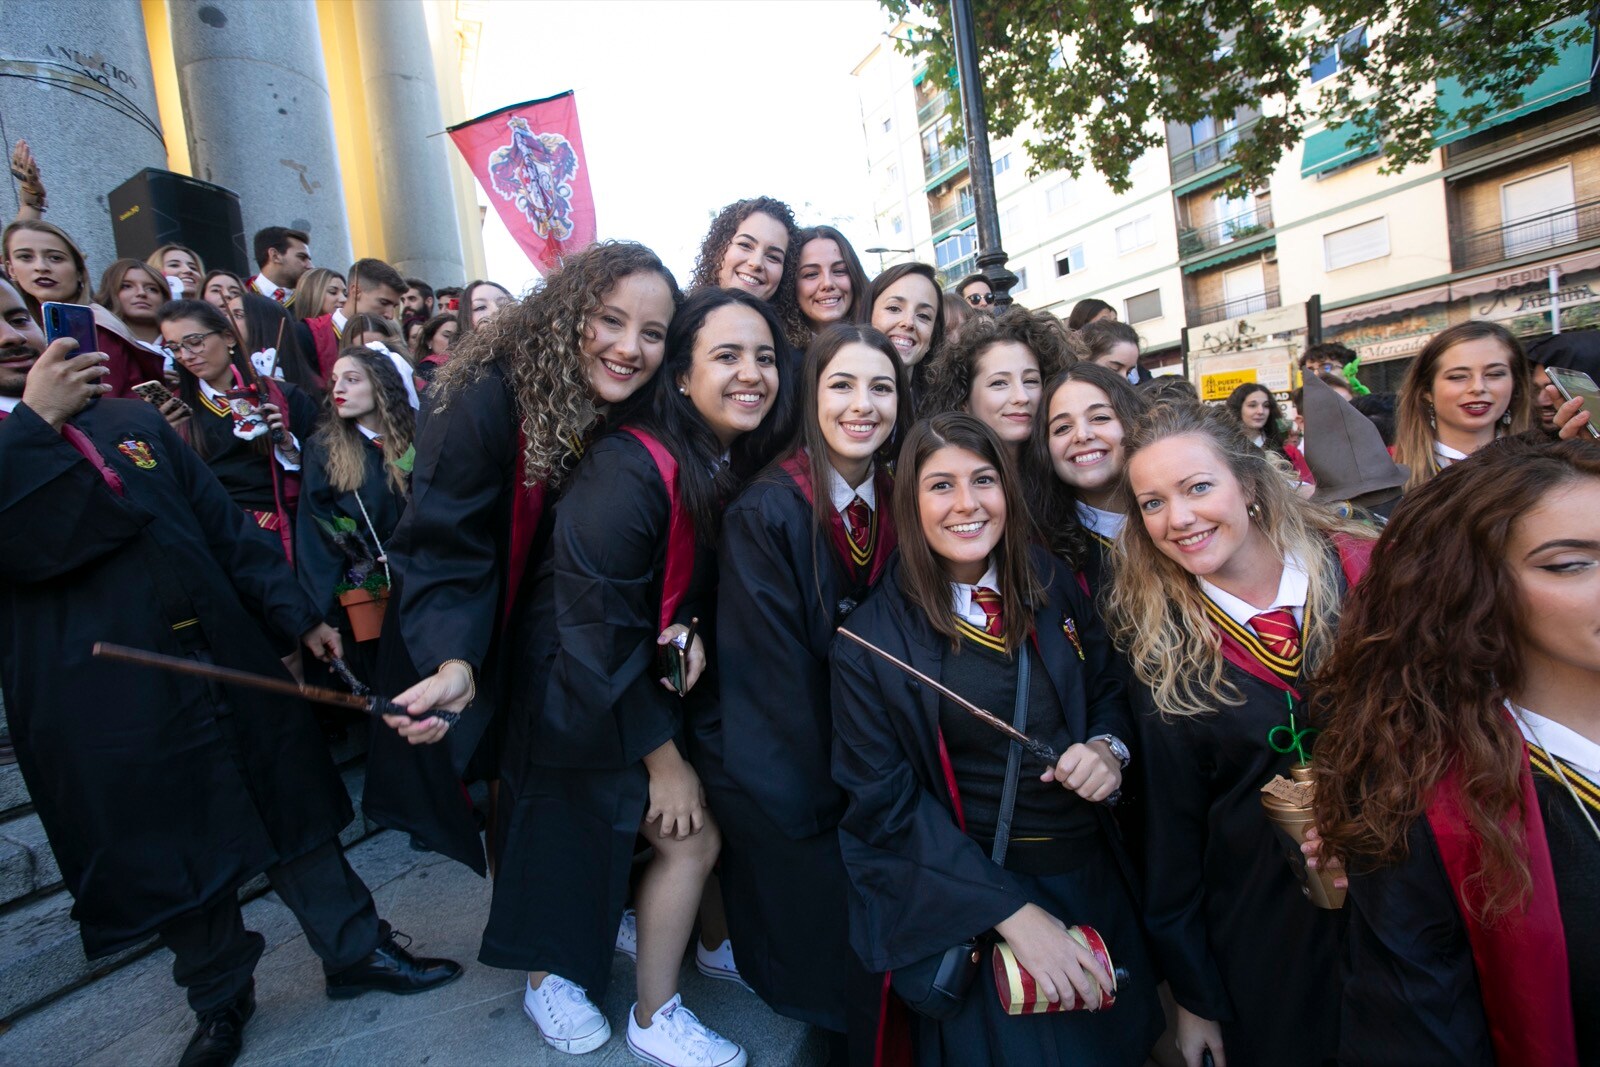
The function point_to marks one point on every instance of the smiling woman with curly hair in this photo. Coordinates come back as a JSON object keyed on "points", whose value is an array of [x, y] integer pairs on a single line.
{"points": [[505, 419], [754, 245], [996, 370]]}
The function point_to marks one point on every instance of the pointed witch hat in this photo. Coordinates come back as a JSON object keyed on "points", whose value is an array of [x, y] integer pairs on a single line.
{"points": [[1344, 449]]}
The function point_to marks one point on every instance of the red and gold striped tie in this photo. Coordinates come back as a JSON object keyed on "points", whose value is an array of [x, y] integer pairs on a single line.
{"points": [[859, 518], [1278, 631], [989, 601]]}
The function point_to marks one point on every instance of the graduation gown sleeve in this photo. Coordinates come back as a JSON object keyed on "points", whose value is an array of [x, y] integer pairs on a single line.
{"points": [[775, 686], [55, 512], [1411, 993], [317, 560], [446, 550], [918, 884], [1105, 693], [604, 706], [1171, 762]]}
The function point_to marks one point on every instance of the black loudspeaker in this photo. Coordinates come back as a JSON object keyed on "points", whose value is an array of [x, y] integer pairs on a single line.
{"points": [[157, 207]]}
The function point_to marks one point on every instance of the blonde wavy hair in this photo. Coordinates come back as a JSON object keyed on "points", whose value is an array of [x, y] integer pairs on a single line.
{"points": [[538, 344], [1156, 611]]}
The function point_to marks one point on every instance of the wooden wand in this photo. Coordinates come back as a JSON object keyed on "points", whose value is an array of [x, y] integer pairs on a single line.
{"points": [[375, 706], [1034, 746]]}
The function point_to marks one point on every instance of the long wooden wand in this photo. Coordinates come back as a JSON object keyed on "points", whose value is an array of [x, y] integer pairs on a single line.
{"points": [[1034, 746], [375, 706]]}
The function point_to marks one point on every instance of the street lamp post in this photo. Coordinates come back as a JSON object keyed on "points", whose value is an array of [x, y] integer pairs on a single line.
{"points": [[991, 257], [881, 251]]}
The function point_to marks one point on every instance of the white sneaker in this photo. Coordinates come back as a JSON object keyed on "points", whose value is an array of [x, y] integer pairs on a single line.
{"points": [[676, 1038], [628, 936], [567, 1019], [717, 962]]}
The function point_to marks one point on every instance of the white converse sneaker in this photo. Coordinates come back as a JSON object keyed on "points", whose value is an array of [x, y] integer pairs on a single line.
{"points": [[717, 962], [567, 1019], [628, 936], [676, 1038]]}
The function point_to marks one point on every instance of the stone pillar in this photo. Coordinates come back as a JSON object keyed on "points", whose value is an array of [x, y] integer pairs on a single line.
{"points": [[412, 168], [83, 97], [259, 118]]}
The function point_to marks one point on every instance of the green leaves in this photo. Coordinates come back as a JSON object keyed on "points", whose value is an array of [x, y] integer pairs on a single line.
{"points": [[1092, 84]]}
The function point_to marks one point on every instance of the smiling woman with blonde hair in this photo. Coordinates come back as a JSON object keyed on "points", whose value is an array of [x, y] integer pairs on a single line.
{"points": [[1225, 595]]}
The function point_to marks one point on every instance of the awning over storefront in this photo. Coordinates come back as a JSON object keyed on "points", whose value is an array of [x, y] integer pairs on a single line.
{"points": [[1213, 178], [1232, 251], [1331, 149], [1483, 284], [1570, 76]]}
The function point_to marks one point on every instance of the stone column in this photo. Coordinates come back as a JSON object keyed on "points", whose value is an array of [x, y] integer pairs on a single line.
{"points": [[412, 168], [259, 118], [84, 100]]}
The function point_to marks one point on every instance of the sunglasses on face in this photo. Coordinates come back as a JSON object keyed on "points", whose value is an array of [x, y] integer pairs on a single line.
{"points": [[978, 299]]}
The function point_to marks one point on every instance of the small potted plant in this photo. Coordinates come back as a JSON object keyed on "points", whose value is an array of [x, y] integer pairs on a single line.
{"points": [[364, 588]]}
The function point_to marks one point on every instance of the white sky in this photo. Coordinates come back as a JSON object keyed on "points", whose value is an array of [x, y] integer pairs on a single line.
{"points": [[688, 106]]}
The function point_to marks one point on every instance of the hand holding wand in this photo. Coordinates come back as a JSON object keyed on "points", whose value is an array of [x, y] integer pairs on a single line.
{"points": [[375, 706]]}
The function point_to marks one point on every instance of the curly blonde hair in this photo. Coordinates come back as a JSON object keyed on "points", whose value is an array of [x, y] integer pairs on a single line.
{"points": [[1156, 610], [950, 378], [723, 228], [537, 343]]}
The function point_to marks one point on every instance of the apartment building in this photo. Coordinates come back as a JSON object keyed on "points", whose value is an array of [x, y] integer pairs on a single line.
{"points": [[1502, 221]]}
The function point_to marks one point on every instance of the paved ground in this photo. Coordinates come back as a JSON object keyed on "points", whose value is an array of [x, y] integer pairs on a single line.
{"points": [[136, 1016]]}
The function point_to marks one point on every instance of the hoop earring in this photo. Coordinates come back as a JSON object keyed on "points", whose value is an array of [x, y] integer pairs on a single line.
{"points": [[1254, 511], [1505, 420]]}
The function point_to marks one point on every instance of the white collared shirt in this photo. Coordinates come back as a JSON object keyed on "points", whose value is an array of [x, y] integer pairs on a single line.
{"points": [[840, 494], [8, 404], [1444, 455], [339, 319], [965, 606], [1107, 524], [1565, 742], [269, 288], [368, 434], [1293, 587], [283, 461]]}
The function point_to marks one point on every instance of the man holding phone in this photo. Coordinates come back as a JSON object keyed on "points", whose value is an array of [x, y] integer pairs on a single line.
{"points": [[162, 793]]}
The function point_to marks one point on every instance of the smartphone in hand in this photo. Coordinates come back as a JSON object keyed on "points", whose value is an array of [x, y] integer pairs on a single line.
{"points": [[70, 320], [1575, 383], [158, 394]]}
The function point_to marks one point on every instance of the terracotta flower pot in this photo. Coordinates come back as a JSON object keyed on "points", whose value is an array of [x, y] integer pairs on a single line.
{"points": [[365, 609]]}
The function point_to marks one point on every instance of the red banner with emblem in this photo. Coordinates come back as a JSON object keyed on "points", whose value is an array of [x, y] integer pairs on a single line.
{"points": [[529, 159]]}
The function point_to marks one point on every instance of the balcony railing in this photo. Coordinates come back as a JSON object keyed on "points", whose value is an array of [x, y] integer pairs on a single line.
{"points": [[1208, 154], [1240, 227], [1569, 225], [952, 217], [954, 272], [1232, 309], [935, 107], [945, 159]]}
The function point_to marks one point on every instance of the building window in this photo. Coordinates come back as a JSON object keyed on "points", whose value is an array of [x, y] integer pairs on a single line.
{"points": [[1060, 196], [888, 124], [953, 249], [1333, 61], [1142, 308], [1536, 212], [898, 223], [1022, 280], [1139, 233], [1070, 261], [1355, 244], [1002, 164], [894, 172], [1011, 222]]}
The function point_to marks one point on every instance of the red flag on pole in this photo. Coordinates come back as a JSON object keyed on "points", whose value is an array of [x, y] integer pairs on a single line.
{"points": [[529, 159]]}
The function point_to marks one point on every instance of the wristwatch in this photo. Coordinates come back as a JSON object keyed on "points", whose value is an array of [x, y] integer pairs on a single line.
{"points": [[1118, 749]]}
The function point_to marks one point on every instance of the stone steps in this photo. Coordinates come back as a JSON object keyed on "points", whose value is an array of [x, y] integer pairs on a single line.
{"points": [[41, 955]]}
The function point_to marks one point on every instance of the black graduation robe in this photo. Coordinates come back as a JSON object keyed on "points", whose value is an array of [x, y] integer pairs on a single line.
{"points": [[244, 472], [919, 884], [318, 561], [783, 586], [588, 708], [1233, 930], [153, 804], [449, 559], [1412, 997]]}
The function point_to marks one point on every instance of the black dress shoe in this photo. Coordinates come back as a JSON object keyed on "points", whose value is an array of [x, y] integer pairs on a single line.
{"points": [[219, 1037], [392, 969]]}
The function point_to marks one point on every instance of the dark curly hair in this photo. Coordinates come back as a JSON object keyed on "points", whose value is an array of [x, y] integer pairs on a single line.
{"points": [[950, 380], [1427, 649], [345, 446], [537, 343], [708, 264]]}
